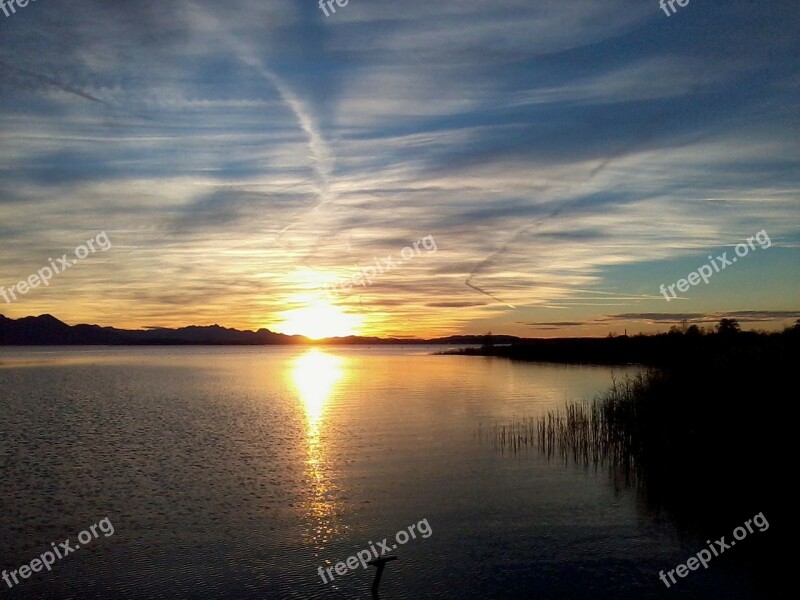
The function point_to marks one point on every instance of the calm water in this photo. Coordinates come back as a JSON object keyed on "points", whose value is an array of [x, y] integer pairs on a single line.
{"points": [[237, 472]]}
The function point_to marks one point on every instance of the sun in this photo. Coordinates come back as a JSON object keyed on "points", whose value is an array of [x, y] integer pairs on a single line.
{"points": [[319, 320]]}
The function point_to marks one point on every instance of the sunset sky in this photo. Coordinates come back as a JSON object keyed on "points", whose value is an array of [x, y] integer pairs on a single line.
{"points": [[566, 157]]}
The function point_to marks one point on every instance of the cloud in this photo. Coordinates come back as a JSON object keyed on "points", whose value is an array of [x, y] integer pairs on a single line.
{"points": [[556, 324], [746, 316], [454, 304], [565, 156], [50, 81]]}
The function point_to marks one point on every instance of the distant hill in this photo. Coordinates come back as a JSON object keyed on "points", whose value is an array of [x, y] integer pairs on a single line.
{"points": [[46, 330]]}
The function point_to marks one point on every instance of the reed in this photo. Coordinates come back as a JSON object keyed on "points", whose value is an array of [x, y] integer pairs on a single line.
{"points": [[608, 431], [704, 440]]}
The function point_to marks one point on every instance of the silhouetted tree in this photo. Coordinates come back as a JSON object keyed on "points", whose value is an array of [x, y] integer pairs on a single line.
{"points": [[728, 327], [685, 329], [488, 342]]}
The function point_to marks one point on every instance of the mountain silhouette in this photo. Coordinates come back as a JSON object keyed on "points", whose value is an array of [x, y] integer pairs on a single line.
{"points": [[46, 330]]}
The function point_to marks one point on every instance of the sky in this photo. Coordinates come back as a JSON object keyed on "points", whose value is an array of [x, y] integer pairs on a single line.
{"points": [[555, 163]]}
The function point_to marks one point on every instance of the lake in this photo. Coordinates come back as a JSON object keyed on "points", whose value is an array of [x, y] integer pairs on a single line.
{"points": [[237, 472]]}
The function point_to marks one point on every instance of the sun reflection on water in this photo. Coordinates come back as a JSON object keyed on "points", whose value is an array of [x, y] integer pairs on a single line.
{"points": [[315, 376]]}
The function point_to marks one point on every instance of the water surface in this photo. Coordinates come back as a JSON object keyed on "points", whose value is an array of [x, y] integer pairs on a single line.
{"points": [[237, 472]]}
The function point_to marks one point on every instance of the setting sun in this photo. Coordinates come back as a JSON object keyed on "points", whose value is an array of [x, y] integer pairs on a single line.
{"points": [[321, 320]]}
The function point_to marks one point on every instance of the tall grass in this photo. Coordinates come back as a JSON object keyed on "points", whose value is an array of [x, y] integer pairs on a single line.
{"points": [[708, 441], [610, 430]]}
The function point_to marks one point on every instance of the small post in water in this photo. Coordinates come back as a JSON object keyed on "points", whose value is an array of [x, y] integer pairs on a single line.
{"points": [[380, 563]]}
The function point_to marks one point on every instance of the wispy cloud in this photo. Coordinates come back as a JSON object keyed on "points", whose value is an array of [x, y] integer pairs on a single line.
{"points": [[567, 157]]}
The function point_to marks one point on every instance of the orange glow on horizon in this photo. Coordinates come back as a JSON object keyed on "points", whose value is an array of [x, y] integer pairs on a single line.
{"points": [[319, 320]]}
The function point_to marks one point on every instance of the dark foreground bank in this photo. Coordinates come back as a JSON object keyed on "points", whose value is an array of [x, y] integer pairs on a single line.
{"points": [[705, 437]]}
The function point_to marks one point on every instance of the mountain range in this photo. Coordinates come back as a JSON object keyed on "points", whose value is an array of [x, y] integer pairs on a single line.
{"points": [[46, 330]]}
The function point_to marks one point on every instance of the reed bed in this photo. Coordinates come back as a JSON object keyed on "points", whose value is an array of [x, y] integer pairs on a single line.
{"points": [[607, 431]]}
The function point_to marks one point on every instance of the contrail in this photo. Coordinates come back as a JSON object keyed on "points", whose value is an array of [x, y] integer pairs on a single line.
{"points": [[320, 158], [56, 84], [625, 149], [490, 259], [50, 81], [485, 293]]}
